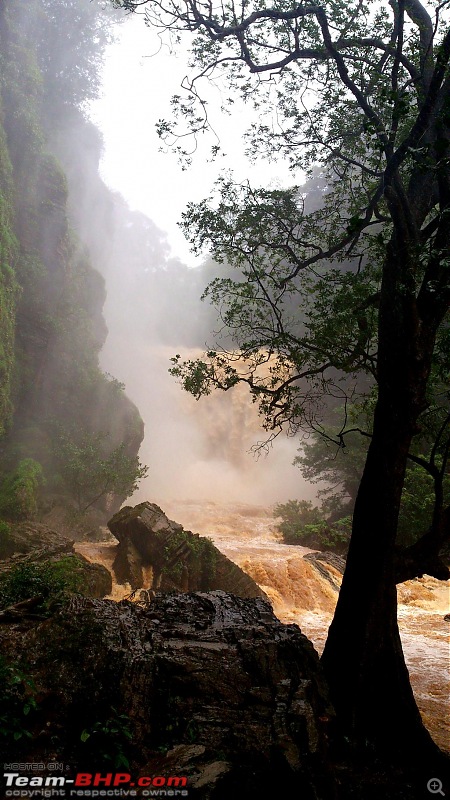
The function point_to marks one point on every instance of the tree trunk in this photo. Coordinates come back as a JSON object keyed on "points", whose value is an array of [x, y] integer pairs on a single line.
{"points": [[363, 657]]}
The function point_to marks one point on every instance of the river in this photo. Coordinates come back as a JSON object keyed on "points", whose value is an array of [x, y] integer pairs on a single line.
{"points": [[247, 535]]}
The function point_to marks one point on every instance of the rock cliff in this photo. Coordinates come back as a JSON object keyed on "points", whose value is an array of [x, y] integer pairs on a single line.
{"points": [[53, 395]]}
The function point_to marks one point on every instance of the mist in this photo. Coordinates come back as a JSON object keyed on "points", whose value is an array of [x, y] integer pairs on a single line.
{"points": [[196, 450]]}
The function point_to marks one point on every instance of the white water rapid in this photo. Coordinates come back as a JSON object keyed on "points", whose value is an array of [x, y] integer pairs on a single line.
{"points": [[247, 535]]}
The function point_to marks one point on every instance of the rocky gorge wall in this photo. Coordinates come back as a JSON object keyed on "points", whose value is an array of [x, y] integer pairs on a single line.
{"points": [[51, 296]]}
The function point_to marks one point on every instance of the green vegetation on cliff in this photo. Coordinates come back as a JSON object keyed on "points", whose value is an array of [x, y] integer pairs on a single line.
{"points": [[9, 288], [19, 490], [50, 583], [51, 298]]}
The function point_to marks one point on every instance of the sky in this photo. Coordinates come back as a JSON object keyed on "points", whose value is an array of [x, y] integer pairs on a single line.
{"points": [[139, 79]]}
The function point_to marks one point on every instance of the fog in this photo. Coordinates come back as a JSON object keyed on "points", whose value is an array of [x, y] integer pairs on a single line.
{"points": [[194, 450], [140, 75]]}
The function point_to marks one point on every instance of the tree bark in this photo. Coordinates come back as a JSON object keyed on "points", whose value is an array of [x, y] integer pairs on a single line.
{"points": [[363, 657]]}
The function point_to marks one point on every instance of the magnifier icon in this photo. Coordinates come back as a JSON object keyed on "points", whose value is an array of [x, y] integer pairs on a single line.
{"points": [[434, 786]]}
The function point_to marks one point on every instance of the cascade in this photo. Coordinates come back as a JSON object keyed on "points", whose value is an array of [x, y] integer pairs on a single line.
{"points": [[300, 594]]}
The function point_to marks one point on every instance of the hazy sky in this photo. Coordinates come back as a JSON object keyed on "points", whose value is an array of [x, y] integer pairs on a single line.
{"points": [[194, 450], [138, 84]]}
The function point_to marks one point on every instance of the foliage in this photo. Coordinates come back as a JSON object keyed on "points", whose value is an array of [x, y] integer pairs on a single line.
{"points": [[200, 558], [6, 548], [418, 503], [51, 298], [107, 741], [9, 288], [295, 515], [337, 466], [70, 65], [91, 470], [51, 580], [348, 87], [65, 572], [19, 491], [339, 463], [17, 703], [304, 524]]}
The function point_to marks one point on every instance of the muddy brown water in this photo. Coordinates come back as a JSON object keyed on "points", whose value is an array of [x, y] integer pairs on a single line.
{"points": [[248, 536]]}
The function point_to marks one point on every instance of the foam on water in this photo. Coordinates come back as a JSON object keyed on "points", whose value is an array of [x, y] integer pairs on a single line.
{"points": [[248, 535]]}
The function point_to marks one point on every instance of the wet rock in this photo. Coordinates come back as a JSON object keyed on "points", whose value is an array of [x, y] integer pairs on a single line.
{"points": [[35, 543], [95, 579], [322, 561], [180, 560], [127, 565], [72, 523], [213, 687], [34, 539], [338, 562]]}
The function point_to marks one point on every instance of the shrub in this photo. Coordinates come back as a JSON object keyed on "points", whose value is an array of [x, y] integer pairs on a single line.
{"points": [[19, 491], [52, 580], [108, 740], [90, 469], [6, 547], [200, 559], [17, 702], [295, 515], [304, 524]]}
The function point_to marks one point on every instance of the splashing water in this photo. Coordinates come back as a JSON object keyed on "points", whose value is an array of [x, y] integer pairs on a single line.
{"points": [[299, 593], [248, 536]]}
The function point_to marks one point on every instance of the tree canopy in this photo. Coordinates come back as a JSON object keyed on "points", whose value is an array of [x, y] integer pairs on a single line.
{"points": [[91, 468], [70, 39], [353, 289]]}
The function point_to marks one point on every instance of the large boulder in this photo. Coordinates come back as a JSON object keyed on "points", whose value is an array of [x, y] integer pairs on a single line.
{"points": [[208, 686], [157, 551]]}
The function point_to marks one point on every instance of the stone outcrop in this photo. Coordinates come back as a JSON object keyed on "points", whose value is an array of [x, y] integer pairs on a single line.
{"points": [[208, 686], [30, 543], [31, 537], [152, 545], [323, 561]]}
